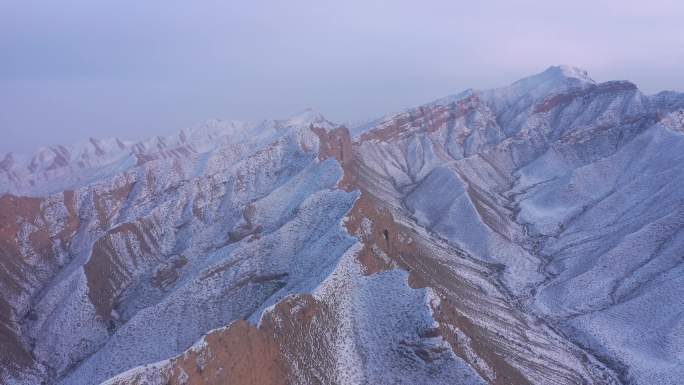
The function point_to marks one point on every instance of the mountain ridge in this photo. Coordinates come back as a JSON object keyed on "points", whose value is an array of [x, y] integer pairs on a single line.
{"points": [[526, 230]]}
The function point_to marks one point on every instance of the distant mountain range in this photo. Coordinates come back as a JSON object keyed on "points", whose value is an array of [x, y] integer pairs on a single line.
{"points": [[529, 234]]}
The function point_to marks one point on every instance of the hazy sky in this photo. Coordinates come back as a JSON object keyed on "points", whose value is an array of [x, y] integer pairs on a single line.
{"points": [[70, 69]]}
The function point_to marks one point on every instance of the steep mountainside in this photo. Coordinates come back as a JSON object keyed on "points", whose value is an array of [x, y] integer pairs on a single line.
{"points": [[530, 234]]}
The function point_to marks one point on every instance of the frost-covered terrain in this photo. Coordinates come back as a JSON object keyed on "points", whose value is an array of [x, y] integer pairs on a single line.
{"points": [[530, 234]]}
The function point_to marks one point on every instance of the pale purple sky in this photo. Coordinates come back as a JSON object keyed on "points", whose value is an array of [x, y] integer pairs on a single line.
{"points": [[71, 69]]}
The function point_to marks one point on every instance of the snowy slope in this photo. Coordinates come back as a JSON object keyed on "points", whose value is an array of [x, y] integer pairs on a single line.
{"points": [[529, 234]]}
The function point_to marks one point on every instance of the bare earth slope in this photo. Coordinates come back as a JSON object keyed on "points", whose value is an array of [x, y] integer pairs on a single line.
{"points": [[530, 234]]}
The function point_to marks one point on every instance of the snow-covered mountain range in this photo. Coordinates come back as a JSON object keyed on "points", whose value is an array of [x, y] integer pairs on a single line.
{"points": [[529, 234]]}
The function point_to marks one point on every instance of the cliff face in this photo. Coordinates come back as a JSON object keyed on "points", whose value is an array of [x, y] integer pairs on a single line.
{"points": [[524, 235]]}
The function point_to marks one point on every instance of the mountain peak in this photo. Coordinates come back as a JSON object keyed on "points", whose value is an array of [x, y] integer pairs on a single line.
{"points": [[568, 71], [307, 113], [557, 76], [554, 79], [306, 117]]}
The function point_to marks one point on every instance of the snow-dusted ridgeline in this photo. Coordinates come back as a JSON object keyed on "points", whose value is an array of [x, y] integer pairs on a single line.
{"points": [[526, 234]]}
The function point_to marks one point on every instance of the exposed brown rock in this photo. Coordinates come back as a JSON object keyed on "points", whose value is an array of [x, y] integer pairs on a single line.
{"points": [[426, 118], [564, 98], [168, 274], [379, 239], [556, 100], [108, 203], [20, 278], [246, 229], [240, 354], [288, 347], [337, 144], [111, 269]]}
